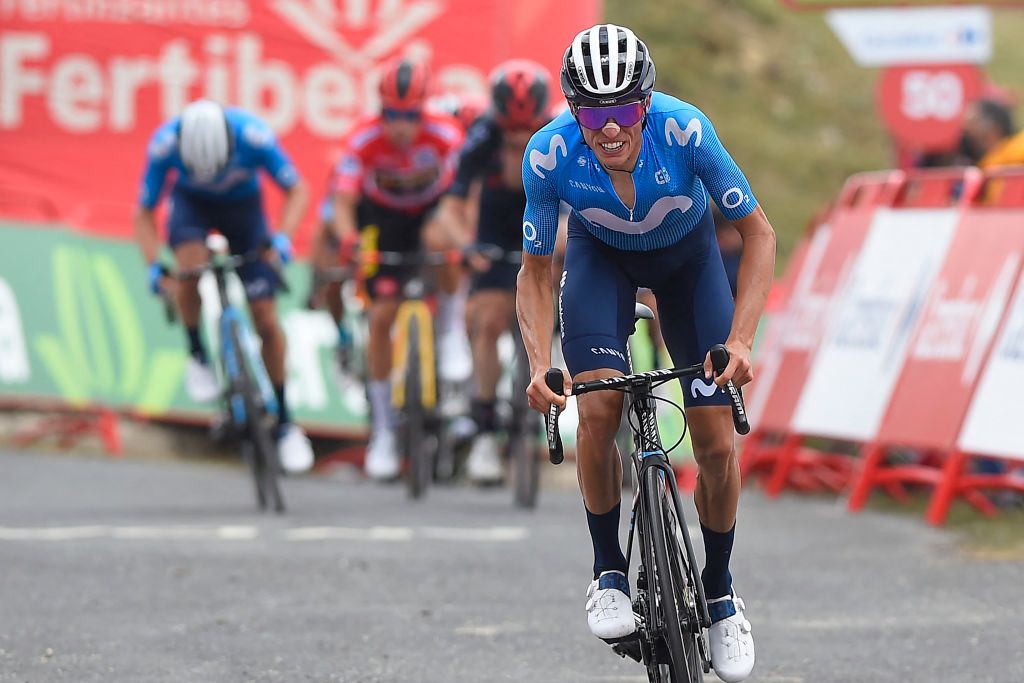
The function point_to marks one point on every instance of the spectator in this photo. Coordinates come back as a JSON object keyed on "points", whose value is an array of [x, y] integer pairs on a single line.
{"points": [[989, 137]]}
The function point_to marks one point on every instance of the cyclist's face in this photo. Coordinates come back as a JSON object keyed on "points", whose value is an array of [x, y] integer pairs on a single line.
{"points": [[616, 147], [401, 127]]}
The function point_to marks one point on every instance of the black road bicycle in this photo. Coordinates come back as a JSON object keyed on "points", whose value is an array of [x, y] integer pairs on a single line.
{"points": [[669, 603]]}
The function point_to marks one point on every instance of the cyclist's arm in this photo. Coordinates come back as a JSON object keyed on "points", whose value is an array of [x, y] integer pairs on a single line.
{"points": [[159, 155], [345, 225], [296, 199], [455, 210], [730, 190], [534, 292], [454, 214]]}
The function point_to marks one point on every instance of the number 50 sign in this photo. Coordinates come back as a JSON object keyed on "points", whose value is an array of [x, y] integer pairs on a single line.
{"points": [[923, 105]]}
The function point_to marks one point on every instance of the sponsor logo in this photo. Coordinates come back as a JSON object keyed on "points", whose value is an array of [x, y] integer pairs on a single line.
{"points": [[699, 386], [652, 220], [585, 186], [581, 161], [14, 366], [561, 290], [603, 351], [548, 160], [676, 135], [529, 231], [733, 197], [662, 177]]}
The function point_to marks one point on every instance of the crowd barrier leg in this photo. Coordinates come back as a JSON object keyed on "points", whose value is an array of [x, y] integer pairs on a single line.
{"points": [[865, 478]]}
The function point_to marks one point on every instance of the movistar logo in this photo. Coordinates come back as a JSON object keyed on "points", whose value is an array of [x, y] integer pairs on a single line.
{"points": [[673, 133], [548, 160], [705, 390]]}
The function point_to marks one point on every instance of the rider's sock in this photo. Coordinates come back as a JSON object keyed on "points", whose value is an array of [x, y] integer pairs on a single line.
{"points": [[195, 344], [283, 416], [604, 534], [717, 547], [450, 310], [380, 404], [484, 415]]}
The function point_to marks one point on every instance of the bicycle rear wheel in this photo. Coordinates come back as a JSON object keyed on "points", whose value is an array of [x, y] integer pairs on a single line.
{"points": [[672, 652], [414, 422]]}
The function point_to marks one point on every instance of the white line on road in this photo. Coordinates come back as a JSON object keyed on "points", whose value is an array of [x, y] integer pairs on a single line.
{"points": [[498, 534]]}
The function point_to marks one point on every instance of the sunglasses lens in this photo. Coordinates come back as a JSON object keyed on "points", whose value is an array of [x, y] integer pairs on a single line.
{"points": [[625, 115], [402, 114]]}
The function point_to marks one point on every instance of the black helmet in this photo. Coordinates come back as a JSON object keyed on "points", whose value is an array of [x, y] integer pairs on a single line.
{"points": [[606, 64]]}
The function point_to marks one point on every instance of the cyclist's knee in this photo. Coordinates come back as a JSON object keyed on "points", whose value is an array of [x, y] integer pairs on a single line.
{"points": [[715, 453], [381, 316], [600, 413], [264, 318]]}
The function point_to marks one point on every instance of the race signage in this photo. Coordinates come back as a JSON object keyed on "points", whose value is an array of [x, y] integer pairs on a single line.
{"points": [[923, 106]]}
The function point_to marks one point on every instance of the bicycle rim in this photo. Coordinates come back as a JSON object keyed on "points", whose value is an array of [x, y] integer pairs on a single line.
{"points": [[662, 583], [684, 578], [523, 450]]}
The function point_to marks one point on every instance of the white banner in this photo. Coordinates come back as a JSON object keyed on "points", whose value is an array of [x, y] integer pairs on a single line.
{"points": [[862, 353], [920, 35], [994, 423]]}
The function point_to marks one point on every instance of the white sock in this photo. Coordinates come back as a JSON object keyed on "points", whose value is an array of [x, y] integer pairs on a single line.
{"points": [[451, 310], [380, 404]]}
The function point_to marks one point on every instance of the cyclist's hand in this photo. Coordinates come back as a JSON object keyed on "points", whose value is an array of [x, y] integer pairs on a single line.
{"points": [[348, 247], [157, 274], [478, 262], [739, 369], [282, 246], [541, 398]]}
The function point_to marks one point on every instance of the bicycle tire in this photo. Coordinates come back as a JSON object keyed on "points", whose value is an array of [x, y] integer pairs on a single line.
{"points": [[523, 448], [264, 462], [420, 468], [662, 582], [684, 579]]}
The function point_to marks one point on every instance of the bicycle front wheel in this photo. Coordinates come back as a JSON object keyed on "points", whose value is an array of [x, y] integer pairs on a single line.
{"points": [[675, 649], [414, 422], [523, 446]]}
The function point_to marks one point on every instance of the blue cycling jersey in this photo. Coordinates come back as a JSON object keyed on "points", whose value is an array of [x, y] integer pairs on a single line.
{"points": [[681, 160], [254, 147]]}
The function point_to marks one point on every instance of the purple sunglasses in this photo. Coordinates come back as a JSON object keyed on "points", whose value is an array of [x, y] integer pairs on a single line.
{"points": [[595, 118]]}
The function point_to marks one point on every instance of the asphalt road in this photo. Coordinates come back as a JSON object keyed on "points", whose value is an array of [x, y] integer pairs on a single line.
{"points": [[163, 571]]}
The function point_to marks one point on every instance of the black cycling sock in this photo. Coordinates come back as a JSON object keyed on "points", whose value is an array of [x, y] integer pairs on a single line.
{"points": [[604, 534], [717, 548], [195, 345], [283, 416], [484, 415]]}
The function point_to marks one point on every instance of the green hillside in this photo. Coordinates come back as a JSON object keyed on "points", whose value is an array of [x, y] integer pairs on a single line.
{"points": [[790, 104]]}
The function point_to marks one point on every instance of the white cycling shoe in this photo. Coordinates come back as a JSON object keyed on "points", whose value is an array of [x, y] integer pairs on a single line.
{"points": [[483, 465], [382, 462], [609, 610], [294, 450], [730, 639], [200, 382]]}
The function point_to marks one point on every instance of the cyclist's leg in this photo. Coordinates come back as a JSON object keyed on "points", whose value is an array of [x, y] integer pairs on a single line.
{"points": [[325, 255], [696, 312], [451, 305], [187, 224], [596, 313]]}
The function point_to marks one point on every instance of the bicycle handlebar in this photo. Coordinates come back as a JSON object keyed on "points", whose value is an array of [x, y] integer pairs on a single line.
{"points": [[416, 258], [719, 359], [233, 262]]}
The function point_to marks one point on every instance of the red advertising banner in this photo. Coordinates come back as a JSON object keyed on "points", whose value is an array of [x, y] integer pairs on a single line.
{"points": [[830, 256], [84, 84], [952, 340]]}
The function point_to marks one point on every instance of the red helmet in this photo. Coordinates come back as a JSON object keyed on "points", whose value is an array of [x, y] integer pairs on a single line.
{"points": [[519, 90], [404, 84]]}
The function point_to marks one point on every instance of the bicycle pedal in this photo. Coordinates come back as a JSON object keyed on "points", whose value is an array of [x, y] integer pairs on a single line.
{"points": [[629, 648]]}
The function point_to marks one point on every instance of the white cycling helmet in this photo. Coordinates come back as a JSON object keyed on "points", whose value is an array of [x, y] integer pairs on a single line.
{"points": [[606, 64], [204, 140]]}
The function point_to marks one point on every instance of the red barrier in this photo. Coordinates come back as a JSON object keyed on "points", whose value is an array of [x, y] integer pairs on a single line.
{"points": [[817, 274], [840, 397], [949, 346]]}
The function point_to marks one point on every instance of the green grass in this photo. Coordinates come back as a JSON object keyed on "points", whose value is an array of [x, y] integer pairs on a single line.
{"points": [[791, 106]]}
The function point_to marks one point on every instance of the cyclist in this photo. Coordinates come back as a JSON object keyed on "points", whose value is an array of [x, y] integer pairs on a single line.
{"points": [[215, 153], [493, 154], [393, 170], [638, 167]]}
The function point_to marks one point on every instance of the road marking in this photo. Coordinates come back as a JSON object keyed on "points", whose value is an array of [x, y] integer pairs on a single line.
{"points": [[482, 631], [51, 533], [324, 533], [497, 534]]}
